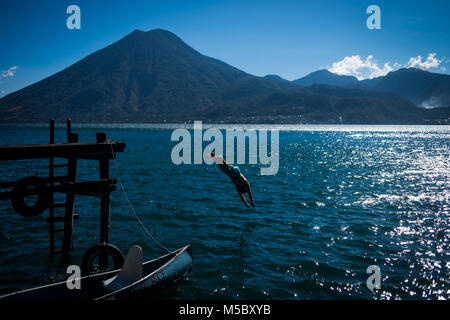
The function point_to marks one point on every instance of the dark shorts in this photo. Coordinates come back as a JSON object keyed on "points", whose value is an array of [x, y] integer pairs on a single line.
{"points": [[232, 172], [241, 185]]}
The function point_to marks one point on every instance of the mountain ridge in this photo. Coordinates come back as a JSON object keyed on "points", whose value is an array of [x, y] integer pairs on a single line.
{"points": [[423, 88], [153, 77], [323, 76]]}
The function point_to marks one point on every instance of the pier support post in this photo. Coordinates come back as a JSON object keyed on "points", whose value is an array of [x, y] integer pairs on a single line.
{"points": [[67, 244], [105, 203], [51, 200]]}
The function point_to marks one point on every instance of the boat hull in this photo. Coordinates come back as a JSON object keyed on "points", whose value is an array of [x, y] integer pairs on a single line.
{"points": [[158, 273]]}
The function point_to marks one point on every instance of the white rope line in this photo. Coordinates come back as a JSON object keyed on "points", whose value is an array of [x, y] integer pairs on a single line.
{"points": [[131, 206]]}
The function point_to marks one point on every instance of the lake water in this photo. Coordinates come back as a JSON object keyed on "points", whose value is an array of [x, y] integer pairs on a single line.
{"points": [[344, 198]]}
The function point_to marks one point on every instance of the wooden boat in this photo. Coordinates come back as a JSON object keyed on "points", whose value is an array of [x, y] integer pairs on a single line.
{"points": [[132, 280]]}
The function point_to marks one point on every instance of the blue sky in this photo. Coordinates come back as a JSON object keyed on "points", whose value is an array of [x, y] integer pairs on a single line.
{"points": [[288, 38]]}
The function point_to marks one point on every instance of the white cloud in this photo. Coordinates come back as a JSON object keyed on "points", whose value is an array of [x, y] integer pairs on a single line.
{"points": [[361, 69], [368, 68], [430, 63], [9, 73]]}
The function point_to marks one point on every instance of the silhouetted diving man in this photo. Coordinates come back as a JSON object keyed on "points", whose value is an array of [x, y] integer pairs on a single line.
{"points": [[241, 183]]}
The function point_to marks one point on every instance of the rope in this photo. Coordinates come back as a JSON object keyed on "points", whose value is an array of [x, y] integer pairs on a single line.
{"points": [[131, 206]]}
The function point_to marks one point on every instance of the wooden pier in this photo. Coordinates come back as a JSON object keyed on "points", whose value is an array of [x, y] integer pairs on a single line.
{"points": [[45, 187]]}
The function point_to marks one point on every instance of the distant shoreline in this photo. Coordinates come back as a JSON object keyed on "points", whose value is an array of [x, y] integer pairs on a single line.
{"points": [[280, 127]]}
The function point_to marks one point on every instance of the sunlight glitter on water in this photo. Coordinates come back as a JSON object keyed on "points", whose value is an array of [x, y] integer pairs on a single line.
{"points": [[345, 197]]}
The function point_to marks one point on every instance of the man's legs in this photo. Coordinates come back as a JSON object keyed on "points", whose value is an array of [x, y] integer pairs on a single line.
{"points": [[241, 195], [250, 195]]}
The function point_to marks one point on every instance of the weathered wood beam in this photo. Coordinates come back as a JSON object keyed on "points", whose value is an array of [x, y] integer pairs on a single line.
{"points": [[9, 194], [88, 188], [93, 151], [105, 203], [11, 184], [67, 244], [51, 208]]}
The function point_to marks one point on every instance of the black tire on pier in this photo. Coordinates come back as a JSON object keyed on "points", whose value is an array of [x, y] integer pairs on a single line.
{"points": [[99, 250], [18, 196]]}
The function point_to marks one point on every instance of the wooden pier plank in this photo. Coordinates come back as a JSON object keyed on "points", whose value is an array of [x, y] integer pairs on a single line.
{"points": [[11, 184], [92, 151], [88, 188]]}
